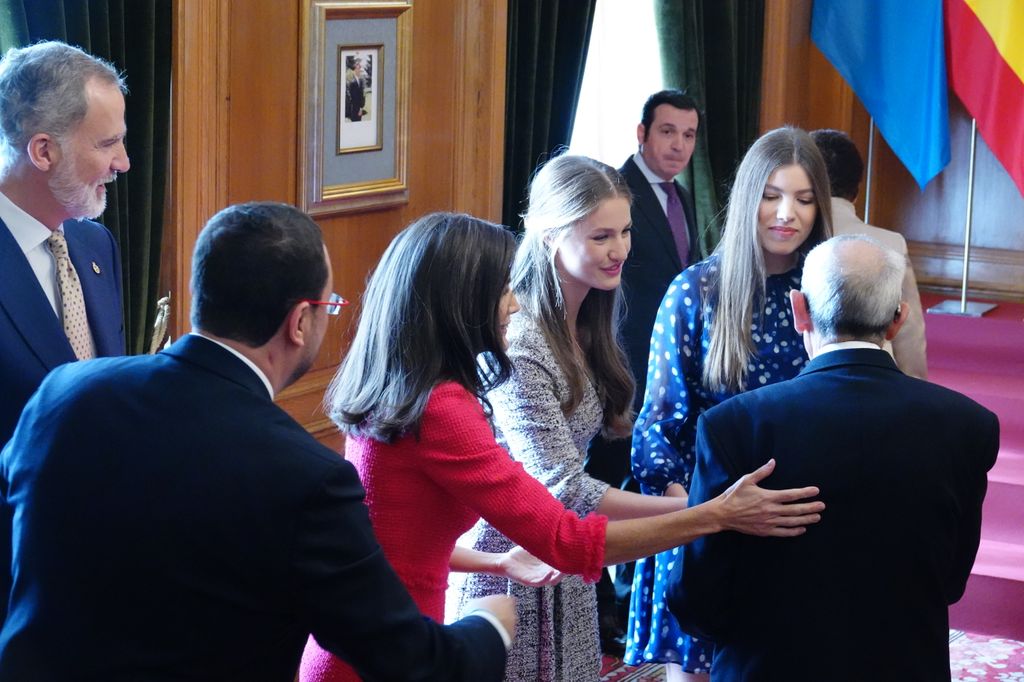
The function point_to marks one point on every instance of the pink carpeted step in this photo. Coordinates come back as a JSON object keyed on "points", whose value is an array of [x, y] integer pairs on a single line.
{"points": [[1000, 560], [1002, 516], [1009, 468], [984, 359], [990, 606], [985, 388], [1004, 395], [991, 344]]}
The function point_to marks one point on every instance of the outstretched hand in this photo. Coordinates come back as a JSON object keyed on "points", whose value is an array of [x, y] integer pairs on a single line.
{"points": [[753, 510], [526, 569]]}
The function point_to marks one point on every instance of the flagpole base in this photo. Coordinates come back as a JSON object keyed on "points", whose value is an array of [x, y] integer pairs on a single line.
{"points": [[972, 309]]}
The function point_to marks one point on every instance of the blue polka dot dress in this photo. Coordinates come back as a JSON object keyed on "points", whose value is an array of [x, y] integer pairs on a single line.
{"points": [[663, 440]]}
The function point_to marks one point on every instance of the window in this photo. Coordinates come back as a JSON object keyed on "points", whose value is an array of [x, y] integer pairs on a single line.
{"points": [[623, 69]]}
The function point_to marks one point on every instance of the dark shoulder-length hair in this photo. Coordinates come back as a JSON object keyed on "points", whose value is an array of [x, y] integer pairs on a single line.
{"points": [[430, 309]]}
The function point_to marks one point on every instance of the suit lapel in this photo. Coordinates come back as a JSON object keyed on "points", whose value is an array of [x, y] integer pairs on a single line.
{"points": [[26, 305], [647, 203]]}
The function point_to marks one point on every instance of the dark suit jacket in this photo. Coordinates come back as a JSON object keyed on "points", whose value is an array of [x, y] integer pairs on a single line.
{"points": [[32, 341], [652, 265], [172, 523], [901, 464], [355, 99]]}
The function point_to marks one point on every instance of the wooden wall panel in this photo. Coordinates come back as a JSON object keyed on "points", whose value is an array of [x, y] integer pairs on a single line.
{"points": [[784, 97], [455, 141], [199, 125], [801, 87], [480, 121], [263, 101]]}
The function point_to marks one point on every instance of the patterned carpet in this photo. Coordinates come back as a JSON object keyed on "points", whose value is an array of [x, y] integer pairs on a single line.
{"points": [[972, 658], [977, 658], [613, 669]]}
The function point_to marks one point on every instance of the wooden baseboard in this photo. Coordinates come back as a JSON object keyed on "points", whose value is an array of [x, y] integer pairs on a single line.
{"points": [[993, 273]]}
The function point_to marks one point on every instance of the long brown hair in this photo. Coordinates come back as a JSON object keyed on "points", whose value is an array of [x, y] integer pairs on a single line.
{"points": [[741, 271], [563, 192]]}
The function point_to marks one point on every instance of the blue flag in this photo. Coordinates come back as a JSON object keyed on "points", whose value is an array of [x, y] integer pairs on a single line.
{"points": [[892, 54]]}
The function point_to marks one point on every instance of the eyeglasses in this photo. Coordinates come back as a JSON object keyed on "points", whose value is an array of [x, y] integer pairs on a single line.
{"points": [[332, 305]]}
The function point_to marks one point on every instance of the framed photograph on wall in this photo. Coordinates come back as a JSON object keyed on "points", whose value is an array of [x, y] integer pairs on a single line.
{"points": [[354, 105], [359, 119]]}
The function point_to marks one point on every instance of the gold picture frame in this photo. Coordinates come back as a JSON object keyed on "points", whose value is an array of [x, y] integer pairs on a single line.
{"points": [[339, 171]]}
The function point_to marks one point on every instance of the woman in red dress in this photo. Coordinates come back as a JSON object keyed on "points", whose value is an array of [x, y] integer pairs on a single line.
{"points": [[410, 399]]}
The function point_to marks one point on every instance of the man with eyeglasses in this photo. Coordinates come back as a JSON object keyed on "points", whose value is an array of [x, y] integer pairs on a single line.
{"points": [[171, 522]]}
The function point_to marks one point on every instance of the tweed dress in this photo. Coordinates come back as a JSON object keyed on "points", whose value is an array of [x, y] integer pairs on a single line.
{"points": [[557, 634]]}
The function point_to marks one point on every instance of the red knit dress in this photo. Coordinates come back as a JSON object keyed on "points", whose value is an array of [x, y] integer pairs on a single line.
{"points": [[423, 493]]}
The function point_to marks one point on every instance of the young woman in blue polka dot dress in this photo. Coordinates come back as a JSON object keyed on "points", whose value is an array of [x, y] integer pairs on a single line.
{"points": [[724, 326]]}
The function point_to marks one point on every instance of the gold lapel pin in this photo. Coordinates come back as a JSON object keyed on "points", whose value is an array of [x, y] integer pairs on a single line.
{"points": [[95, 268]]}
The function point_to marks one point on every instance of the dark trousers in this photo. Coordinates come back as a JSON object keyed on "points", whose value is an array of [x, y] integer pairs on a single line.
{"points": [[609, 461]]}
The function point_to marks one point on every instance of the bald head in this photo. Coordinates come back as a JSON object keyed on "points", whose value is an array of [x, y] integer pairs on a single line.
{"points": [[853, 287]]}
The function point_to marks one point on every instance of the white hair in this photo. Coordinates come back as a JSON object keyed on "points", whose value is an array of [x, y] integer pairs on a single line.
{"points": [[853, 285]]}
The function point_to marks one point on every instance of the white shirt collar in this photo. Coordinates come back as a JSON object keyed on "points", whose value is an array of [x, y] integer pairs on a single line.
{"points": [[651, 176], [845, 345], [247, 361], [26, 230]]}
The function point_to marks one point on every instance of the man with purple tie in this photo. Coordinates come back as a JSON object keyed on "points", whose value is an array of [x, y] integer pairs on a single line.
{"points": [[664, 242]]}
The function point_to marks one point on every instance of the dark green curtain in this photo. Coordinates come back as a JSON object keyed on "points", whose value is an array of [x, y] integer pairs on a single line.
{"points": [[135, 35], [712, 49], [547, 50]]}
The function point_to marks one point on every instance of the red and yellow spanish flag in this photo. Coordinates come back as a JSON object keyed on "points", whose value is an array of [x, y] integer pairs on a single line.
{"points": [[985, 59]]}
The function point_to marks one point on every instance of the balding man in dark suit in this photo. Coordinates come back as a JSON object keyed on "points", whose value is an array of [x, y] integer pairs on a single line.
{"points": [[901, 464]]}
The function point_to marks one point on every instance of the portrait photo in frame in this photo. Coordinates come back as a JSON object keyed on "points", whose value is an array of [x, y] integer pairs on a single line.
{"points": [[359, 119], [353, 105]]}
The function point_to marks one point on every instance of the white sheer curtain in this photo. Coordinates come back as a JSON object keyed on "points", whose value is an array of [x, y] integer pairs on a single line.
{"points": [[623, 70]]}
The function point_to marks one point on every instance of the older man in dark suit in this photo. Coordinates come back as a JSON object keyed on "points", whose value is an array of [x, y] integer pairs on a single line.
{"points": [[664, 243], [901, 464], [171, 522]]}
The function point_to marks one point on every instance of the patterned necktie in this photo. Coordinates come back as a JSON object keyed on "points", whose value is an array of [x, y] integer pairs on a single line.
{"points": [[677, 221], [76, 323]]}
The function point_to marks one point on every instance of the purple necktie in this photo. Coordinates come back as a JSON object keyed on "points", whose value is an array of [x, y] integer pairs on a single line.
{"points": [[677, 221]]}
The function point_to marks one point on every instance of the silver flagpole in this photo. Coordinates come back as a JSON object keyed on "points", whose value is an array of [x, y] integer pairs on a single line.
{"points": [[970, 309], [870, 173]]}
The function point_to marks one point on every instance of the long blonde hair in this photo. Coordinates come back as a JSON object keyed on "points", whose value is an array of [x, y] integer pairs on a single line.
{"points": [[564, 192], [740, 284]]}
